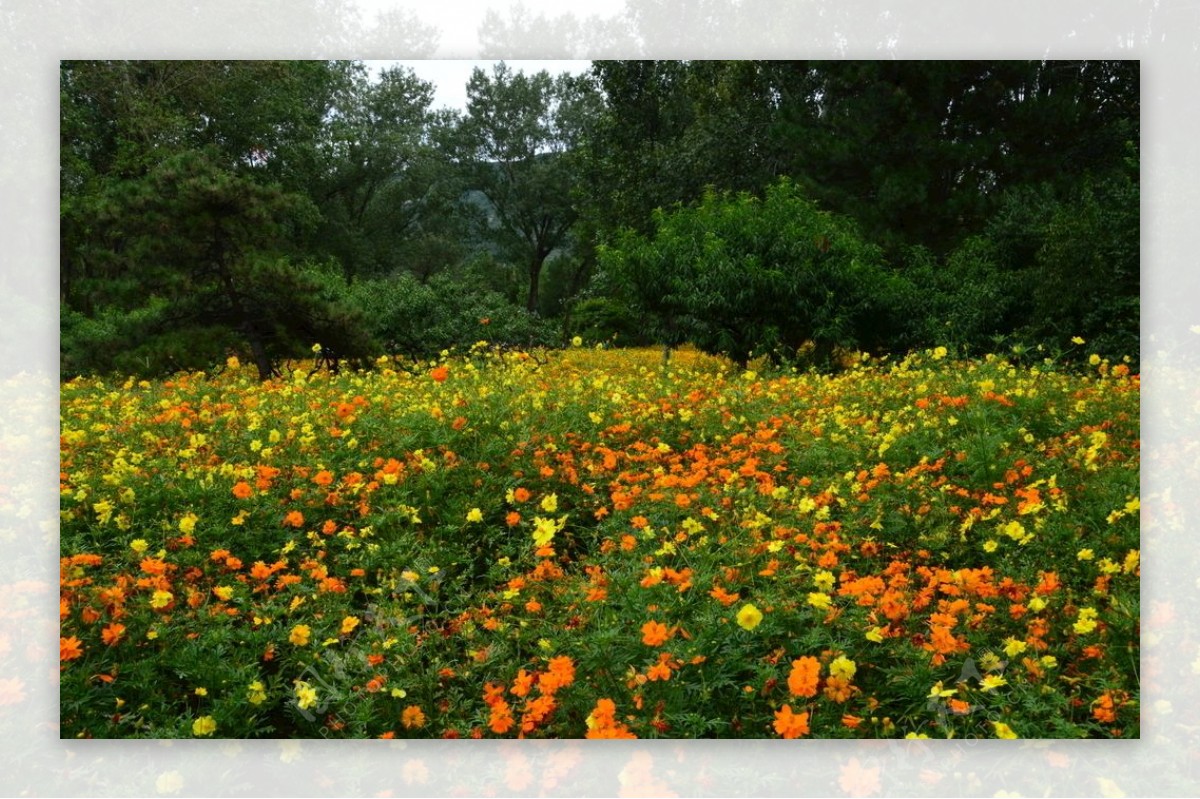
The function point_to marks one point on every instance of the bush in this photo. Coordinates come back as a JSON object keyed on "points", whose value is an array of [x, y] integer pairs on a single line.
{"points": [[743, 276], [421, 319]]}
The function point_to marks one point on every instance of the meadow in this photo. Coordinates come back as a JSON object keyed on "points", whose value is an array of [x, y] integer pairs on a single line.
{"points": [[590, 543]]}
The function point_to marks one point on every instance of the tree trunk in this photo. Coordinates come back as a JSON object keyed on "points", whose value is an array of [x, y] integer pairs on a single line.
{"points": [[535, 274], [259, 352]]}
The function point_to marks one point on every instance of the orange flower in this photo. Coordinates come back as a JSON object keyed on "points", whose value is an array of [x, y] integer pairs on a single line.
{"points": [[439, 374], [294, 519], [838, 689], [323, 477], [655, 633], [522, 683], [724, 597], [1105, 708], [522, 495], [659, 671], [242, 490], [563, 669], [492, 693], [789, 724], [802, 681], [112, 633], [512, 519], [69, 648], [536, 712], [501, 719], [412, 716], [153, 566], [602, 722]]}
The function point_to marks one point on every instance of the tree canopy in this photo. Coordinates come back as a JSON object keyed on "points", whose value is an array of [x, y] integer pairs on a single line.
{"points": [[212, 208]]}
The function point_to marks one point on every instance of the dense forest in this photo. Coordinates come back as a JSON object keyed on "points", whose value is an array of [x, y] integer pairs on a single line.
{"points": [[786, 209]]}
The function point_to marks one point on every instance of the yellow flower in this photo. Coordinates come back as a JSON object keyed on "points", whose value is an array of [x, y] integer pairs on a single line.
{"points": [[232, 362], [875, 634], [104, 511], [160, 599], [316, 348], [1094, 359], [1132, 558], [842, 667], [306, 695], [1013, 647], [201, 692], [992, 681], [938, 692], [188, 523], [749, 617], [819, 600], [550, 503], [823, 579], [348, 624], [1085, 554], [1086, 621], [1077, 340], [939, 353], [256, 693], [205, 725], [474, 515], [577, 341], [1003, 730], [139, 545], [223, 592], [300, 635], [543, 531]]}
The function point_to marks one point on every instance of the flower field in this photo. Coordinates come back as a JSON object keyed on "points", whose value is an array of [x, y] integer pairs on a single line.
{"points": [[586, 543]]}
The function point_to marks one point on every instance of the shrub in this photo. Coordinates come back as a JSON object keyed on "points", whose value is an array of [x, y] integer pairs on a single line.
{"points": [[744, 276]]}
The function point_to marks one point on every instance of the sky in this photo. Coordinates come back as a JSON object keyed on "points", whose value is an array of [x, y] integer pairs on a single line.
{"points": [[450, 77]]}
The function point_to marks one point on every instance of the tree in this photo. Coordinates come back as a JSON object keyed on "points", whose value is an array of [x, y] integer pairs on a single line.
{"points": [[517, 142], [183, 223], [742, 276], [385, 192]]}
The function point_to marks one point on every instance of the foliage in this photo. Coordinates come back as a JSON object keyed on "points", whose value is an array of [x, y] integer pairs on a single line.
{"points": [[420, 320], [518, 140], [387, 191], [181, 236], [743, 276], [971, 203], [585, 544]]}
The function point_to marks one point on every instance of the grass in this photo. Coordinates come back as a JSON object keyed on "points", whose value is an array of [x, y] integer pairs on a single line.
{"points": [[582, 543]]}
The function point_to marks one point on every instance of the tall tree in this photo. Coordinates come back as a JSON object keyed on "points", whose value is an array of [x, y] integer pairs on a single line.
{"points": [[385, 191], [518, 142], [183, 216]]}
